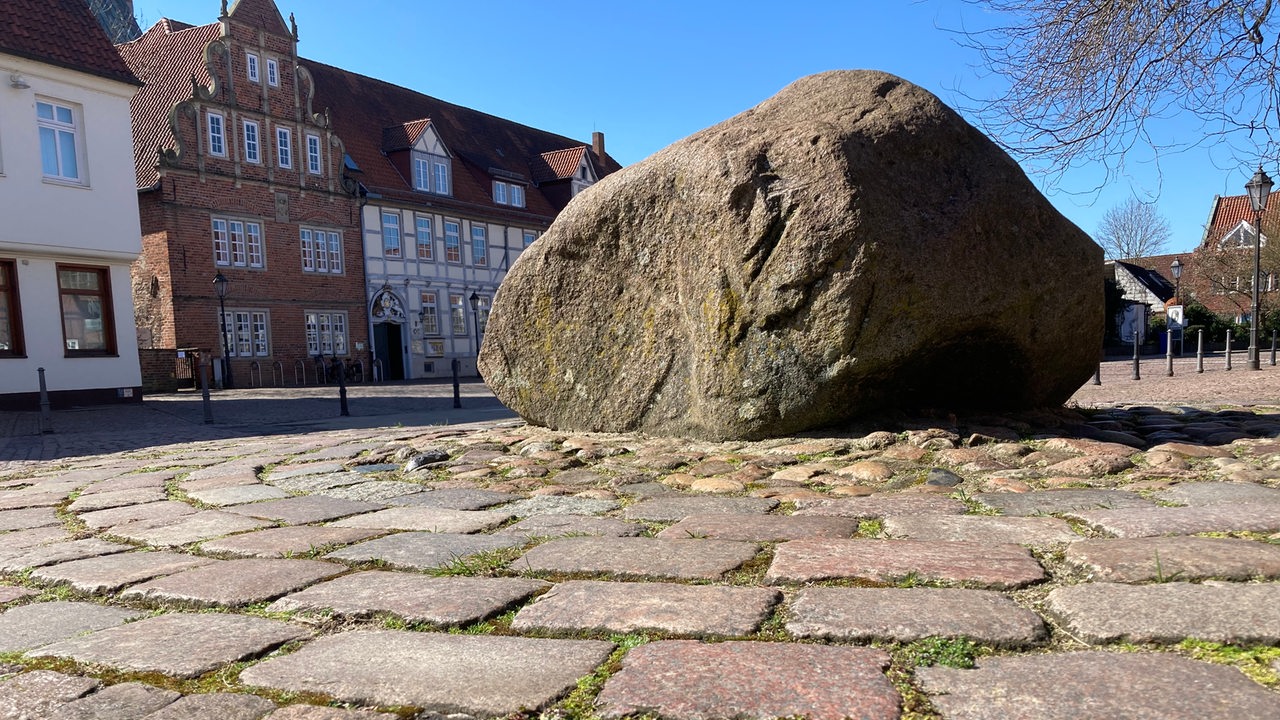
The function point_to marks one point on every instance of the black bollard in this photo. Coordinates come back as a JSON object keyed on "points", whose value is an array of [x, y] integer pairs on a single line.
{"points": [[457, 387], [203, 369], [1200, 352], [342, 388], [46, 420], [1137, 372], [1168, 352]]}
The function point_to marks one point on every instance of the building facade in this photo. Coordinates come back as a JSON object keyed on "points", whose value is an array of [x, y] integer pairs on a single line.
{"points": [[71, 226]]}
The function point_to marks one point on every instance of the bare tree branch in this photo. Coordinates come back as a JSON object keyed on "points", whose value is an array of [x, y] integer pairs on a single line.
{"points": [[1133, 230]]}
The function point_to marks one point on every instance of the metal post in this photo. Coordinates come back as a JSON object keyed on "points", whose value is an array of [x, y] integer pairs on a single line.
{"points": [[46, 420], [1168, 352], [204, 390], [342, 388], [1137, 373], [457, 389], [1200, 352], [227, 381], [1273, 347], [1254, 350], [1228, 349], [1097, 375]]}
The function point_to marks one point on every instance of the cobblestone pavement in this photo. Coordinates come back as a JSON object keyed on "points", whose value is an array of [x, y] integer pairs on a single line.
{"points": [[1116, 559]]}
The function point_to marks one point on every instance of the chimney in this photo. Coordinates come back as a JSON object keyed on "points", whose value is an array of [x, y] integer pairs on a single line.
{"points": [[597, 144]]}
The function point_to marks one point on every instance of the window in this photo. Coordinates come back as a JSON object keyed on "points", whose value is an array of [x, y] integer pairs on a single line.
{"points": [[426, 241], [313, 154], [247, 333], [321, 251], [441, 177], [430, 314], [273, 72], [457, 315], [499, 192], [482, 312], [217, 135], [326, 332], [517, 196], [452, 243], [422, 174], [237, 243], [284, 147], [252, 148], [85, 294], [59, 141], [479, 246], [529, 237], [391, 235], [252, 62], [10, 312]]}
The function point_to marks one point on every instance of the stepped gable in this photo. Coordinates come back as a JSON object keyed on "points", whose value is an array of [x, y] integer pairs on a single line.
{"points": [[62, 33]]}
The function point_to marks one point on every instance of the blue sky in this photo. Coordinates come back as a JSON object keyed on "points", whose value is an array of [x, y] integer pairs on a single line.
{"points": [[649, 73]]}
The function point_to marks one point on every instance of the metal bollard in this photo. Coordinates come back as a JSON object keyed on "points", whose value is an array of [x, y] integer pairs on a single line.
{"points": [[342, 388], [1273, 347], [204, 391], [457, 387], [1168, 354], [46, 420], [1228, 349], [1137, 373], [1097, 375], [1200, 352]]}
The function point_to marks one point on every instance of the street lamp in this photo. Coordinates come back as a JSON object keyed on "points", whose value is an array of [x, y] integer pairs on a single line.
{"points": [[1259, 189], [220, 283], [1176, 269], [475, 319]]}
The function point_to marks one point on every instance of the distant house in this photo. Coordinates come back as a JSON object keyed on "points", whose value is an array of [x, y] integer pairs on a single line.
{"points": [[1223, 263], [70, 215]]}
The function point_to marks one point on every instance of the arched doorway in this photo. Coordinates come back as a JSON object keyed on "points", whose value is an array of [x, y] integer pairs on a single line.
{"points": [[387, 311]]}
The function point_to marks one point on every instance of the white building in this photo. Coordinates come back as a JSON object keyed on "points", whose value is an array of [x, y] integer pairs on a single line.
{"points": [[70, 208]]}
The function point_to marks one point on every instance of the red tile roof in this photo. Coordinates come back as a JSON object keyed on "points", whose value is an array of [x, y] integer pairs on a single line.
{"points": [[403, 137], [558, 164], [1230, 211], [62, 33]]}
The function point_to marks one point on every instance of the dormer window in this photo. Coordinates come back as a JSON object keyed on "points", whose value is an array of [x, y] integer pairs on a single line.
{"points": [[499, 192], [431, 173], [505, 193]]}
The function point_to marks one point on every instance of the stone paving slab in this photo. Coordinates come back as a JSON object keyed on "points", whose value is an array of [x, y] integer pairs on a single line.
{"points": [[1182, 520], [318, 712], [1245, 614], [234, 583], [204, 525], [1033, 531], [690, 680], [237, 494], [455, 498], [20, 499], [1069, 686], [303, 467], [909, 614], [58, 552], [1053, 502], [315, 482], [287, 541], [552, 526], [163, 510], [9, 593], [638, 557], [124, 701], [558, 505], [112, 572], [116, 498], [624, 607], [30, 626], [878, 506], [678, 507], [16, 540], [760, 528], [38, 694], [1136, 560], [215, 706], [306, 509], [1218, 493], [372, 490], [134, 481], [480, 675], [985, 565], [423, 550], [427, 519], [178, 644], [28, 518], [416, 598]]}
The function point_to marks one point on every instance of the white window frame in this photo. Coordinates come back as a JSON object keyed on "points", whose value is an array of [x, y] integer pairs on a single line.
{"points": [[482, 313], [308, 248], [530, 237], [217, 135], [248, 332], [284, 147], [273, 72], [251, 67], [440, 177], [335, 252], [422, 174], [326, 332], [252, 142], [426, 241], [479, 241], [237, 243], [60, 130], [452, 242], [430, 313], [321, 251], [517, 195], [457, 315], [499, 192], [314, 164], [392, 242]]}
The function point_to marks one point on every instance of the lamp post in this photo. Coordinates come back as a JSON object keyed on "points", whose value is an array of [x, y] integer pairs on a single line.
{"points": [[1259, 189], [220, 283], [475, 320], [1176, 269]]}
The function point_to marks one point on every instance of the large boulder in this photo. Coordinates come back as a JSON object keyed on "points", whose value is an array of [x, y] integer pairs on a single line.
{"points": [[848, 246]]}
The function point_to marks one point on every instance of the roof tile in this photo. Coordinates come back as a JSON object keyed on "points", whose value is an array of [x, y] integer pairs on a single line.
{"points": [[62, 33]]}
